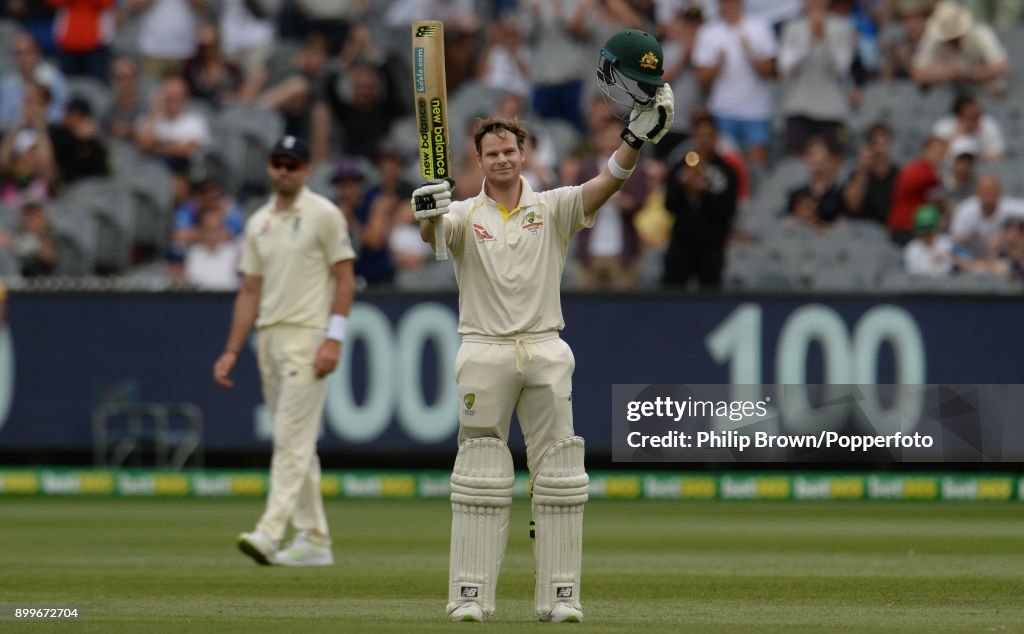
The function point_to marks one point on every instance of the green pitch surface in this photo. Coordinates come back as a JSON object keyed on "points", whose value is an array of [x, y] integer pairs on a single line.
{"points": [[139, 565]]}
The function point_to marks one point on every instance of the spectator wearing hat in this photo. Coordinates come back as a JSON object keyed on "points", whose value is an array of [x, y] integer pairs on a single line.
{"points": [[77, 145], [930, 252], [868, 192], [814, 61], [918, 183], [968, 121], [958, 51], [979, 218]]}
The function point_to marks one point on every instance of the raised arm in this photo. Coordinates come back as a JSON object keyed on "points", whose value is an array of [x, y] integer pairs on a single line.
{"points": [[646, 123]]}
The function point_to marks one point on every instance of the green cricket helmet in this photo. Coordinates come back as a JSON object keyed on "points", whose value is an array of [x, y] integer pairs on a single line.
{"points": [[629, 68]]}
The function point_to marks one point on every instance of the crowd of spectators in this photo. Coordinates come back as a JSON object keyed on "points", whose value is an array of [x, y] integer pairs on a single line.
{"points": [[774, 130]]}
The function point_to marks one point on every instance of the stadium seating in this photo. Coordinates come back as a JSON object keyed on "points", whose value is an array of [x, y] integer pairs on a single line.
{"points": [[147, 189], [107, 206], [242, 136], [75, 231]]}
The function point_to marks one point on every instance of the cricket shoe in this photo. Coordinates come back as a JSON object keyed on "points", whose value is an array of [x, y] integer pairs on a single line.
{"points": [[304, 552], [468, 612], [258, 546], [563, 613]]}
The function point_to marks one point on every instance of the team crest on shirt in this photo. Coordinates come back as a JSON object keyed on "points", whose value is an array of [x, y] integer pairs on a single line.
{"points": [[296, 224], [482, 234], [532, 222], [469, 399]]}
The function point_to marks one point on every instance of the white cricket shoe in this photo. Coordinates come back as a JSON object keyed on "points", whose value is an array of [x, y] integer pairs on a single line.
{"points": [[563, 613], [258, 546], [469, 612], [303, 552]]}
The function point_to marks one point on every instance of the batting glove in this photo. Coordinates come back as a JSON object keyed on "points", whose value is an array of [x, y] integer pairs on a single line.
{"points": [[431, 200], [652, 123]]}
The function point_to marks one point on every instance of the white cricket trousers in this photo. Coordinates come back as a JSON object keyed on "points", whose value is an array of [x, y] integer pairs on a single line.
{"points": [[530, 374], [295, 398]]}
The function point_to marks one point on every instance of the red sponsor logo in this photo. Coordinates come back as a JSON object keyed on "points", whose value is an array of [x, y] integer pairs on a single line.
{"points": [[482, 233]]}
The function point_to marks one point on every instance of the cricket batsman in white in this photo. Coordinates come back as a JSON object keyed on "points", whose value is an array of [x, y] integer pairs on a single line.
{"points": [[509, 246]]}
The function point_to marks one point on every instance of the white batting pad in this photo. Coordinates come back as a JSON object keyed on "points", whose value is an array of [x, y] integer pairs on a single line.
{"points": [[481, 496], [559, 493]]}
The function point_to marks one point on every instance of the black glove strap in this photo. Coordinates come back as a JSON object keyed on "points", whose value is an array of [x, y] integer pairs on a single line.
{"points": [[424, 202], [631, 139]]}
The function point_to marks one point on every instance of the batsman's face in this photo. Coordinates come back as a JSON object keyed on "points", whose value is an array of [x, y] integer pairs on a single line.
{"points": [[500, 158]]}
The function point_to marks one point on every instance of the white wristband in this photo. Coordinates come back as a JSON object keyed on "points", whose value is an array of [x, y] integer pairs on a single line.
{"points": [[617, 170], [336, 327]]}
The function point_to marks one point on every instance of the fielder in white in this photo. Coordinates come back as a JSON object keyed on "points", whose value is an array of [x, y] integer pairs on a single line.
{"points": [[509, 246], [297, 290]]}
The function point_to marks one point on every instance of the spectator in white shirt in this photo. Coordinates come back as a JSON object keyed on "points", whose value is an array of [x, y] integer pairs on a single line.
{"points": [[957, 50], [980, 217], [505, 63], [735, 59], [247, 39], [167, 33], [170, 131], [212, 262], [968, 121]]}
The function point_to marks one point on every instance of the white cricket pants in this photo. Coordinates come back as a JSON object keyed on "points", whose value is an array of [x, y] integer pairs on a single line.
{"points": [[529, 374], [295, 398]]}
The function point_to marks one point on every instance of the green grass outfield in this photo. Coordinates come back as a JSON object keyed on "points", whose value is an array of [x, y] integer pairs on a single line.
{"points": [[170, 565]]}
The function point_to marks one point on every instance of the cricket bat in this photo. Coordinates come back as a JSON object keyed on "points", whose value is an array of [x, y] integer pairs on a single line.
{"points": [[431, 110]]}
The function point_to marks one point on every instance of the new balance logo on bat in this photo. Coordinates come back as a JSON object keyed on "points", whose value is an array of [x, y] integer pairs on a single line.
{"points": [[563, 592], [469, 592], [426, 31]]}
